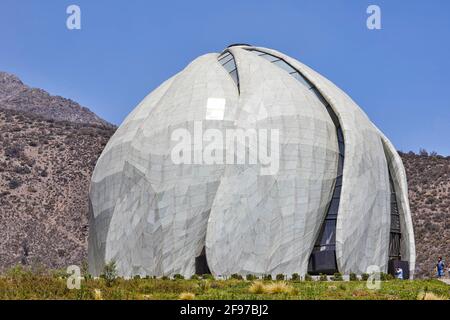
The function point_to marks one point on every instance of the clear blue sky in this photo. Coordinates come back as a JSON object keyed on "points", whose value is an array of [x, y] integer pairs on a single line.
{"points": [[399, 75]]}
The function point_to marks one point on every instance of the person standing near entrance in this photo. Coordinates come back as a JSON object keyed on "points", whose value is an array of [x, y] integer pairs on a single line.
{"points": [[440, 268], [399, 273]]}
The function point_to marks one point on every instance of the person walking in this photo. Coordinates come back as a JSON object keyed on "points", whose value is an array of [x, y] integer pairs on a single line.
{"points": [[440, 267]]}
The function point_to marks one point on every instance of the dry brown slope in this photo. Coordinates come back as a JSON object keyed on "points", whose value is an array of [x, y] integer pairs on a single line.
{"points": [[429, 196], [45, 168]]}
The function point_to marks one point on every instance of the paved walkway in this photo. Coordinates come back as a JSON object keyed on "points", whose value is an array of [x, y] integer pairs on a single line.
{"points": [[447, 281]]}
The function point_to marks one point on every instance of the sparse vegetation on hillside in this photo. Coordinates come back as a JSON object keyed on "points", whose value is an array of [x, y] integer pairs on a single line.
{"points": [[45, 168], [429, 195]]}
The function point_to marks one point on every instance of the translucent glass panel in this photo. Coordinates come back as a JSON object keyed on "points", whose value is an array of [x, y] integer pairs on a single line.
{"points": [[226, 59], [395, 232], [285, 66], [323, 257]]}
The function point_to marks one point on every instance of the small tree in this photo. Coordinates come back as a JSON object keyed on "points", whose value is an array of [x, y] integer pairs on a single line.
{"points": [[337, 277], [353, 276], [423, 152], [295, 277], [267, 277], [280, 277], [386, 276], [14, 183], [109, 273], [250, 277], [236, 276]]}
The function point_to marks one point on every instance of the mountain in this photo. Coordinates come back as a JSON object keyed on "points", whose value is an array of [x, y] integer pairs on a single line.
{"points": [[45, 169], [429, 196], [46, 165], [48, 148], [17, 96]]}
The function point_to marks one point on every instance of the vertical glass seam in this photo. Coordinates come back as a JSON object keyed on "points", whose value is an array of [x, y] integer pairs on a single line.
{"points": [[395, 228], [223, 59], [326, 240]]}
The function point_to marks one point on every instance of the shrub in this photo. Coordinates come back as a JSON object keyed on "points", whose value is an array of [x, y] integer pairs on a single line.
{"points": [[308, 277], [386, 276], [207, 276], [109, 273], [164, 278], [250, 277], [137, 277], [14, 183], [204, 285], [353, 277], [267, 277], [295, 277], [195, 277], [13, 151], [178, 276], [278, 287], [280, 277], [323, 277], [17, 272], [423, 152], [337, 277], [98, 294], [257, 287], [364, 276], [186, 296], [236, 276], [22, 170], [429, 296]]}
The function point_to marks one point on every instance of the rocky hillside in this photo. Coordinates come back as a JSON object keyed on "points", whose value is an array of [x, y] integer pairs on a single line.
{"points": [[45, 168], [429, 196], [17, 96]]}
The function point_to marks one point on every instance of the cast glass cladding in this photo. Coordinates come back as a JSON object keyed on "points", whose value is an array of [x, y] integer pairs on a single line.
{"points": [[323, 257], [226, 59]]}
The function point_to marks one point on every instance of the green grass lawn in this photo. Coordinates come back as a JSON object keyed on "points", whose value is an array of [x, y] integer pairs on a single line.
{"points": [[26, 285]]}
